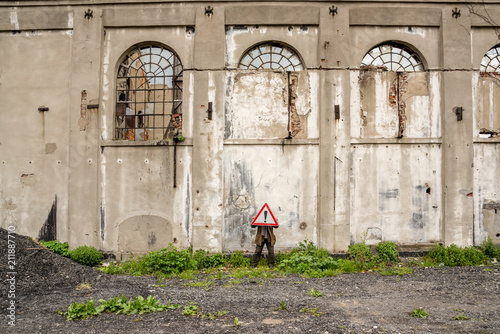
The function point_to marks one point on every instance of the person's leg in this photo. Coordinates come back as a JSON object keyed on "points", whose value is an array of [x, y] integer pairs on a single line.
{"points": [[270, 254], [257, 254]]}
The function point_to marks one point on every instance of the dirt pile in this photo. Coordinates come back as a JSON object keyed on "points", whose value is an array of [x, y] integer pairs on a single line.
{"points": [[39, 269]]}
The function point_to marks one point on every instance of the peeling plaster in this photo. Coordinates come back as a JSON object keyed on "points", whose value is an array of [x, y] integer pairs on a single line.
{"points": [[14, 21]]}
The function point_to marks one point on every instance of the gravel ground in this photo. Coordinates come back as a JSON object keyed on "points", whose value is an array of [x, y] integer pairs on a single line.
{"points": [[351, 303]]}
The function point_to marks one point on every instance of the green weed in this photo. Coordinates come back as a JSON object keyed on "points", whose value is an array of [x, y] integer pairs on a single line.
{"points": [[314, 311], [115, 305], [86, 255], [60, 248], [387, 252], [489, 249], [460, 316], [315, 293], [237, 260], [282, 307], [236, 322], [419, 313], [456, 256], [192, 309], [213, 316]]}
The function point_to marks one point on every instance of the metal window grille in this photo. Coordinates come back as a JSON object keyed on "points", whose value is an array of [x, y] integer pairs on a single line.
{"points": [[394, 57], [271, 55], [149, 95], [491, 60]]}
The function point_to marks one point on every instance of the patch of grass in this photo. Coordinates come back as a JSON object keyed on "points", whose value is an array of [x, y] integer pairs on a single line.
{"points": [[460, 316], [232, 283], [419, 313], [396, 271], [214, 316], [192, 309], [315, 293], [314, 311], [204, 284], [188, 274]]}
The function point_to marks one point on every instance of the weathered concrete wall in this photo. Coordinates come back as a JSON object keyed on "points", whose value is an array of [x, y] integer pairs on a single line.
{"points": [[396, 193], [338, 152], [284, 177], [34, 144]]}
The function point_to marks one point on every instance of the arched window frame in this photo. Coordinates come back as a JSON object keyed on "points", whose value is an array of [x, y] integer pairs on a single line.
{"points": [[283, 56], [399, 57], [491, 60], [148, 93]]}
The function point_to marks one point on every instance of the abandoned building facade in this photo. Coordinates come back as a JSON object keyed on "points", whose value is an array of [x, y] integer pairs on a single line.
{"points": [[129, 125]]}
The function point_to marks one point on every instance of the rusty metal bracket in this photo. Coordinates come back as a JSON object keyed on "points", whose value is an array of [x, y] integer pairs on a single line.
{"points": [[92, 106], [459, 111], [456, 13], [89, 14], [333, 10], [337, 111], [209, 11], [209, 111]]}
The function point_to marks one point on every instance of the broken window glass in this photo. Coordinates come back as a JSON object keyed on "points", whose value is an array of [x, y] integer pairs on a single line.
{"points": [[271, 55], [149, 95], [394, 57]]}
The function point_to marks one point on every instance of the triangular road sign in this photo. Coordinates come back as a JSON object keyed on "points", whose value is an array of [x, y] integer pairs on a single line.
{"points": [[267, 219]]}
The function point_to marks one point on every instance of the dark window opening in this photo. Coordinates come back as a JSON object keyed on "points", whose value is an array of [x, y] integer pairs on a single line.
{"points": [[149, 95]]}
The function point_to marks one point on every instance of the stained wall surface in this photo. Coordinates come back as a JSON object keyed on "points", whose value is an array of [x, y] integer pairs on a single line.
{"points": [[341, 151]]}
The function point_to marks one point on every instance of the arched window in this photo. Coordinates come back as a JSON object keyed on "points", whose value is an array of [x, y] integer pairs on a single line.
{"points": [[271, 55], [491, 60], [394, 57], [149, 94]]}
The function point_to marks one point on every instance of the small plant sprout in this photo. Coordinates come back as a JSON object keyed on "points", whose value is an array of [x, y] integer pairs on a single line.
{"points": [[192, 309], [283, 307], [84, 286], [213, 316], [314, 311], [315, 293], [236, 322], [419, 313], [460, 316]]}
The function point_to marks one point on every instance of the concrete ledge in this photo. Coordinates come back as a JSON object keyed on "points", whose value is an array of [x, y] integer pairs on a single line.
{"points": [[271, 142], [385, 141], [131, 143]]}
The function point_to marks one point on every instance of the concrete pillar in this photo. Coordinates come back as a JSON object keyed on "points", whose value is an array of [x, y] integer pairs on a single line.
{"points": [[333, 223], [208, 87], [457, 168], [83, 227]]}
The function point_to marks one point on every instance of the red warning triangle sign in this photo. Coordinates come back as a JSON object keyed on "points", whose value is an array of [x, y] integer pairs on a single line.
{"points": [[266, 219]]}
